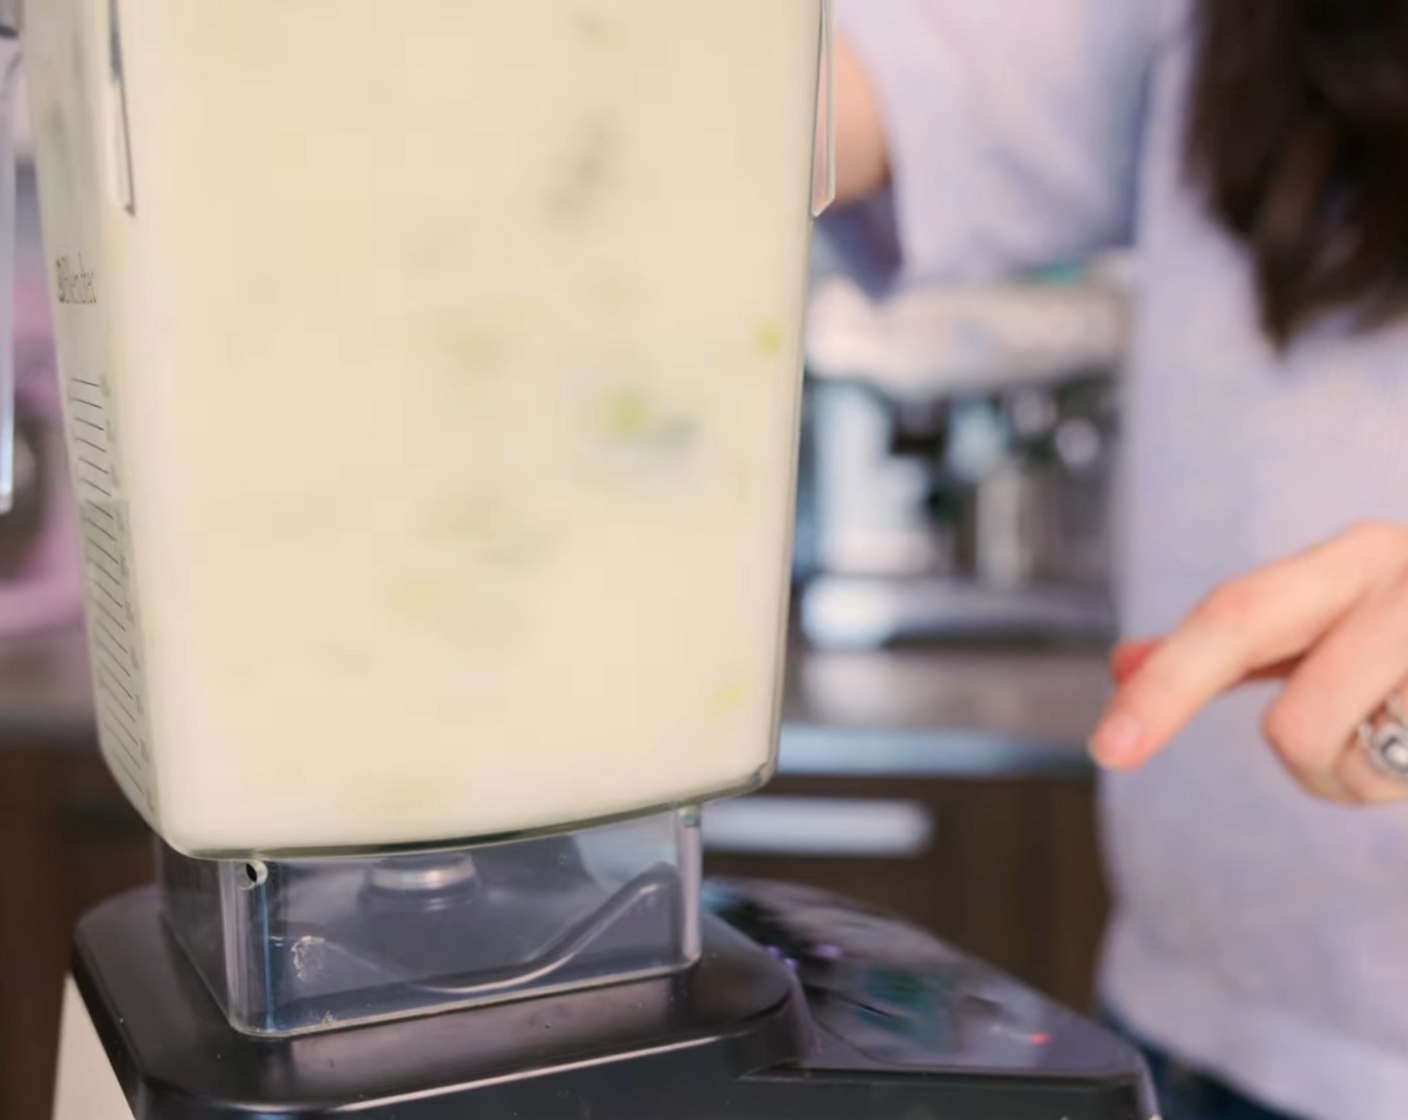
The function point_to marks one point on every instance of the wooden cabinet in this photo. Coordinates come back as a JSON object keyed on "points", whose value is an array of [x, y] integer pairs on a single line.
{"points": [[1010, 872], [67, 841]]}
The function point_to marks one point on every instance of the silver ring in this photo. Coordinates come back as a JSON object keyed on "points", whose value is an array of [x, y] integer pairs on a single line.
{"points": [[1385, 740]]}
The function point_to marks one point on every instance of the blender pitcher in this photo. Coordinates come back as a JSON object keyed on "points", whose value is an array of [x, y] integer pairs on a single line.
{"points": [[431, 379]]}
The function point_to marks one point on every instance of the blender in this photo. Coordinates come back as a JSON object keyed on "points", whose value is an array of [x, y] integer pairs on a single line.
{"points": [[431, 379]]}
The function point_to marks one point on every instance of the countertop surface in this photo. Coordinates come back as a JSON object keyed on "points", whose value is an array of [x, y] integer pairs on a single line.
{"points": [[926, 711], [942, 710]]}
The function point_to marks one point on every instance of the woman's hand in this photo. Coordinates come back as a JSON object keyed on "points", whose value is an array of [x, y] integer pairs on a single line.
{"points": [[1331, 622], [862, 148]]}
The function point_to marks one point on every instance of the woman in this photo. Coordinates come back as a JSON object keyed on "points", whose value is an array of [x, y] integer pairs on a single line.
{"points": [[1255, 152]]}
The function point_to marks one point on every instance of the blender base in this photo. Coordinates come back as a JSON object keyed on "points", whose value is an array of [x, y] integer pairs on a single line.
{"points": [[802, 1005]]}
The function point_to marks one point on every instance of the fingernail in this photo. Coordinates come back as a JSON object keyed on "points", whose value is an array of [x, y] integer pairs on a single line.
{"points": [[1116, 741]]}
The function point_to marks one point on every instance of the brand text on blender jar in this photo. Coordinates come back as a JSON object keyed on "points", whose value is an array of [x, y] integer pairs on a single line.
{"points": [[75, 284]]}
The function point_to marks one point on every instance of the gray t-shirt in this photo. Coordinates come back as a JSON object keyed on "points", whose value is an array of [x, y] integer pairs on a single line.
{"points": [[1258, 933]]}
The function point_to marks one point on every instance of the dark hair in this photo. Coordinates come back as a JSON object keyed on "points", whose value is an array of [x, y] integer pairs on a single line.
{"points": [[1298, 136]]}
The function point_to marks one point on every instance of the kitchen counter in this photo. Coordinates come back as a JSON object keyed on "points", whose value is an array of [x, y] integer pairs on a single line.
{"points": [[929, 712], [942, 711]]}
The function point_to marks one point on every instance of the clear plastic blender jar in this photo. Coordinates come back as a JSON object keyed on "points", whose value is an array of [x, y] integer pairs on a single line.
{"points": [[432, 376]]}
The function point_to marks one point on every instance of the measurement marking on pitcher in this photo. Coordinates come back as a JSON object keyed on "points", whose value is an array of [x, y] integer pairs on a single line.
{"points": [[102, 590], [89, 508], [106, 493], [106, 553], [101, 529], [111, 556], [127, 740], [113, 655], [106, 532], [117, 594], [134, 780], [117, 620], [116, 662], [103, 674], [102, 669], [118, 657], [126, 760], [102, 569], [138, 786], [126, 714], [107, 610], [102, 533], [123, 741], [117, 639], [131, 744]]}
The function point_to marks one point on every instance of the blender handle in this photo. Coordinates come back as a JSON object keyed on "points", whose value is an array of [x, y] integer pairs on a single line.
{"points": [[9, 170]]}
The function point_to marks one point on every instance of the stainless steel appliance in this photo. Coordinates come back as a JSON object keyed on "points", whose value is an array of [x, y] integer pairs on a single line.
{"points": [[959, 461]]}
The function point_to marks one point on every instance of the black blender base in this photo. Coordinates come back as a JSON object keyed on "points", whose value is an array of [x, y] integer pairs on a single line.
{"points": [[824, 1011]]}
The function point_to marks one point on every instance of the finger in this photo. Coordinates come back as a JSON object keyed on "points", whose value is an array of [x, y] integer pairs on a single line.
{"points": [[1341, 683], [1247, 626], [1130, 657], [1278, 672]]}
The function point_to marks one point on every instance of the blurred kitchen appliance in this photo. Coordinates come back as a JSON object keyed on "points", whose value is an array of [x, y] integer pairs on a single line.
{"points": [[41, 579], [959, 460]]}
